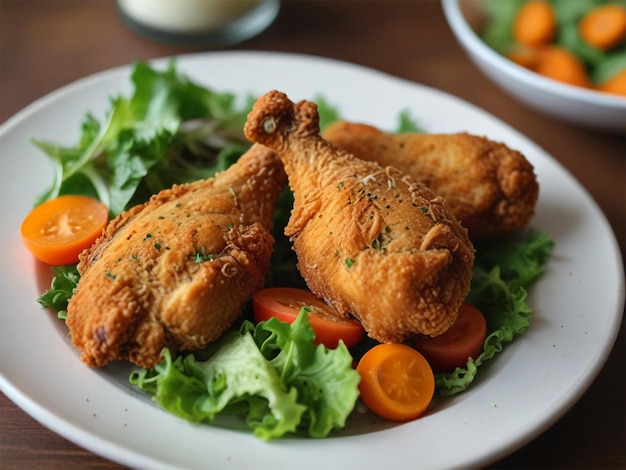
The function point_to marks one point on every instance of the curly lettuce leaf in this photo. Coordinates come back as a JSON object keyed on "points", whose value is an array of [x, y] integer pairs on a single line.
{"points": [[329, 388], [64, 281], [520, 261], [273, 374], [236, 378], [170, 130], [325, 379], [501, 274]]}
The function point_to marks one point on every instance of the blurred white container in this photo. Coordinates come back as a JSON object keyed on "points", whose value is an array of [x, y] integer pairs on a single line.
{"points": [[588, 108], [198, 22]]}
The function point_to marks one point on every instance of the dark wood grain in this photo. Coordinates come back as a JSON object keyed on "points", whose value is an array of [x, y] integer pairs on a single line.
{"points": [[47, 44]]}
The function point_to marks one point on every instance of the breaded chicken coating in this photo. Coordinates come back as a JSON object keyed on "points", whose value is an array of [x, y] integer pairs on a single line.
{"points": [[489, 187], [176, 271], [369, 240]]}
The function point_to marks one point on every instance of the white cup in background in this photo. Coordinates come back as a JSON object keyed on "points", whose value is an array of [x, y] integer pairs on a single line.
{"points": [[198, 22]]}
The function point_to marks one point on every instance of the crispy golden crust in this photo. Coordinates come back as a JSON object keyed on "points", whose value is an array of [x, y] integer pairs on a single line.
{"points": [[489, 187], [176, 271], [371, 242]]}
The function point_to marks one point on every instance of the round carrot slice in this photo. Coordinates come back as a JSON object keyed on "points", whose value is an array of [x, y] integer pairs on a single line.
{"points": [[57, 231], [396, 382]]}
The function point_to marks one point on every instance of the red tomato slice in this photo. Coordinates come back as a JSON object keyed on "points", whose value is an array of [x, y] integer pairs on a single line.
{"points": [[285, 303], [57, 231], [463, 340]]}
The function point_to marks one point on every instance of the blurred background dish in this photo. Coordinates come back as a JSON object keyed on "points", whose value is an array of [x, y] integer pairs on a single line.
{"points": [[574, 104], [210, 23]]}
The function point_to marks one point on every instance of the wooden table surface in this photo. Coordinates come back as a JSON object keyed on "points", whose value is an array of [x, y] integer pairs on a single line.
{"points": [[48, 44]]}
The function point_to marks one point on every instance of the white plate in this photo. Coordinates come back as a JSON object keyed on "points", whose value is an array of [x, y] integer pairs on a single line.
{"points": [[578, 302]]}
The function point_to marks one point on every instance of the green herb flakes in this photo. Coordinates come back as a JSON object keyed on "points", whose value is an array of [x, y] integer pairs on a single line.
{"points": [[200, 257]]}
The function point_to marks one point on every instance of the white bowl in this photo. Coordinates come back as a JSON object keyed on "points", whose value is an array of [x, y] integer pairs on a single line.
{"points": [[592, 109]]}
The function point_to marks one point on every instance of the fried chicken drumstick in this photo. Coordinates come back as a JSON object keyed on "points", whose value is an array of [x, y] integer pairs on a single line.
{"points": [[489, 187], [370, 242], [176, 271]]}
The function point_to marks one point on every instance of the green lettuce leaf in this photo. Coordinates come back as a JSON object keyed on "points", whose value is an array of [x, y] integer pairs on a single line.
{"points": [[501, 273], [326, 382], [273, 374], [236, 378], [170, 130], [64, 281]]}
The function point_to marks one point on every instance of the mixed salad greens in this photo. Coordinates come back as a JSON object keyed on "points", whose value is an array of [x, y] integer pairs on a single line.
{"points": [[172, 130]]}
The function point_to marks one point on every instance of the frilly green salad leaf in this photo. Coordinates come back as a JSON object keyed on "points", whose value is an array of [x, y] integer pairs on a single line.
{"points": [[170, 130], [500, 276], [64, 281], [273, 374]]}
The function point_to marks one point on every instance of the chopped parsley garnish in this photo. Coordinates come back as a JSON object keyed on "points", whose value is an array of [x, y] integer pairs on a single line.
{"points": [[201, 257]]}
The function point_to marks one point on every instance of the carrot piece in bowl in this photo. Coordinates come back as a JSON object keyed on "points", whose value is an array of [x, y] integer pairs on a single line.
{"points": [[604, 27], [560, 64], [616, 84], [535, 24]]}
